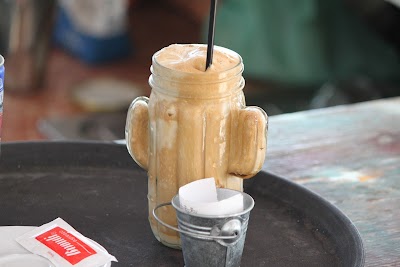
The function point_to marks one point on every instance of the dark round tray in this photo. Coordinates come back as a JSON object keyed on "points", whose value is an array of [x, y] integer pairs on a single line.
{"points": [[100, 191]]}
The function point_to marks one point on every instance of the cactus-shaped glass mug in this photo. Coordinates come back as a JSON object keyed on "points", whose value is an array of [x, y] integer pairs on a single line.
{"points": [[194, 125]]}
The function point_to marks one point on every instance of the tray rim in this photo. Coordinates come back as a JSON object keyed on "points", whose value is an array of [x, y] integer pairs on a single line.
{"points": [[360, 258]]}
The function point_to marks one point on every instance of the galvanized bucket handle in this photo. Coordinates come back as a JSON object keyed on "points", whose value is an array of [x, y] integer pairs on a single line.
{"points": [[234, 226]]}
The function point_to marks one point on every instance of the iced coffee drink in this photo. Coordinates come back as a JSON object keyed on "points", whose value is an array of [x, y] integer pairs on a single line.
{"points": [[194, 125]]}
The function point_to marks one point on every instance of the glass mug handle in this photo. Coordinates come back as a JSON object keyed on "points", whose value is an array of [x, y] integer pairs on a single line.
{"points": [[137, 131], [247, 157]]}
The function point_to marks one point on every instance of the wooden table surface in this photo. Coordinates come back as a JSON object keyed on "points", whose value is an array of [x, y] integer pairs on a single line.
{"points": [[350, 155]]}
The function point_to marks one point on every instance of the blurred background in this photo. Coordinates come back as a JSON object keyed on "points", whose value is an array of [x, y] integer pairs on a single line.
{"points": [[73, 66]]}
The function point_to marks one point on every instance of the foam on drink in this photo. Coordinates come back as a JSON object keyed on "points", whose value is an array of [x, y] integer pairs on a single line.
{"points": [[191, 58]]}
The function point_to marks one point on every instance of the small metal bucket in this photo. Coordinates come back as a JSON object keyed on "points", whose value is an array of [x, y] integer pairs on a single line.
{"points": [[211, 240]]}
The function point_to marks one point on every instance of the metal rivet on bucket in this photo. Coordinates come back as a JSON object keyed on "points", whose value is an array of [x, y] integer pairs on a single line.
{"points": [[211, 240]]}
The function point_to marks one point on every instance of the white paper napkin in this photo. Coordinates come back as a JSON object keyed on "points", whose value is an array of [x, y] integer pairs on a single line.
{"points": [[200, 197]]}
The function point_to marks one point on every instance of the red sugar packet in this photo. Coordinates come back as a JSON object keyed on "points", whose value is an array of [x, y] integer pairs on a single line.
{"points": [[64, 246]]}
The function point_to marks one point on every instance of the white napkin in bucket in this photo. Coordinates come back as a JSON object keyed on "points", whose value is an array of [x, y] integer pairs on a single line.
{"points": [[200, 197]]}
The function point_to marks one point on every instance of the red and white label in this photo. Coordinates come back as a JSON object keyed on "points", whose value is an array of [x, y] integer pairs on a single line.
{"points": [[66, 245]]}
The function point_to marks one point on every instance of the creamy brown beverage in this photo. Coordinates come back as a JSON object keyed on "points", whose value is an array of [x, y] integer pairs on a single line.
{"points": [[194, 125]]}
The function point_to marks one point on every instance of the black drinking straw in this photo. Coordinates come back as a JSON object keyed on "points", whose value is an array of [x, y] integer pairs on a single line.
{"points": [[211, 30]]}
